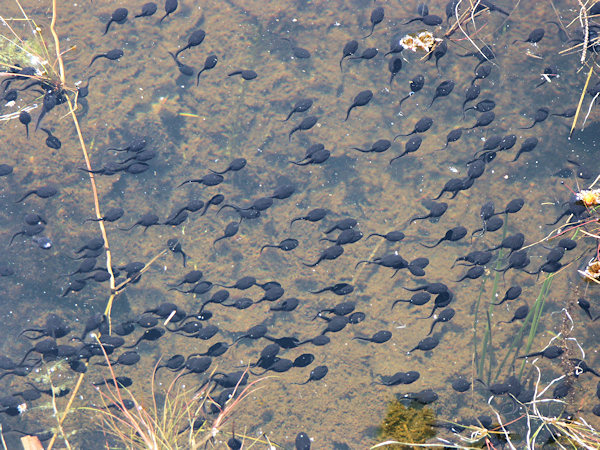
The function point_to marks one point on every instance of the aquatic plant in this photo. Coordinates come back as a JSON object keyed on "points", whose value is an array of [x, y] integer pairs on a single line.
{"points": [[178, 421], [407, 424], [22, 52]]}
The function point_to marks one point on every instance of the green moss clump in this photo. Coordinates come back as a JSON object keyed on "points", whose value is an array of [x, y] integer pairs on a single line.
{"points": [[411, 425], [22, 52]]}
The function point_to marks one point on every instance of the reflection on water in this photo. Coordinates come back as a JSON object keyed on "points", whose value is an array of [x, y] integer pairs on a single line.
{"points": [[194, 126]]}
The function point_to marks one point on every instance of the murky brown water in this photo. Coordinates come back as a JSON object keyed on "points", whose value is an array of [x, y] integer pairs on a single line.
{"points": [[200, 128]]}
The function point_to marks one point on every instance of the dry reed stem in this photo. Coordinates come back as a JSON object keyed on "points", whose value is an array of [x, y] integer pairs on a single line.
{"points": [[67, 408], [581, 100], [94, 193], [2, 438], [55, 409], [147, 434], [583, 19]]}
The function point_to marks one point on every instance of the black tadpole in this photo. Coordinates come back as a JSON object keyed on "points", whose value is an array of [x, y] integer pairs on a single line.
{"points": [[534, 37], [442, 90], [394, 66], [483, 120], [148, 9], [215, 200], [361, 99], [439, 51], [111, 55], [147, 220], [286, 245], [25, 119], [452, 136], [42, 192], [313, 216], [184, 69], [209, 63], [175, 246], [230, 230], [195, 39], [349, 50], [426, 344], [429, 19], [520, 313], [52, 141], [329, 253], [377, 16], [511, 294], [119, 16], [317, 157], [378, 338], [416, 85], [540, 115], [436, 210], [452, 235], [151, 334], [49, 101], [585, 305], [136, 145], [341, 309], [316, 374], [418, 299], [481, 73], [392, 236], [472, 274], [301, 105], [411, 146], [421, 126], [445, 316], [378, 147], [210, 179], [551, 352], [392, 260], [246, 74], [170, 7], [368, 53], [234, 166], [306, 124], [527, 146]]}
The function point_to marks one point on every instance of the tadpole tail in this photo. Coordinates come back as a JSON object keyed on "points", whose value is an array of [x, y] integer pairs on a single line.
{"points": [[369, 35], [299, 163], [266, 246], [94, 59], [414, 219], [185, 182], [25, 196], [528, 128], [14, 236], [348, 113], [292, 112], [319, 291], [107, 27], [361, 262], [296, 219], [312, 265], [432, 246]]}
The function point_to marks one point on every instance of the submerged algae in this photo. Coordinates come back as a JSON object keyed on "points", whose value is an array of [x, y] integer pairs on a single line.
{"points": [[407, 424]]}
